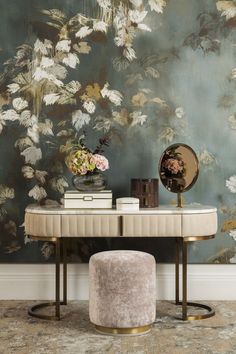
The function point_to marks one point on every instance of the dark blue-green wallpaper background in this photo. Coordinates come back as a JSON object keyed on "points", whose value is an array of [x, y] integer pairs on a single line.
{"points": [[179, 88]]}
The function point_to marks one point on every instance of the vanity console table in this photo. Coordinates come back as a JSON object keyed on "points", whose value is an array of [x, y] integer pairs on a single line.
{"points": [[190, 223]]}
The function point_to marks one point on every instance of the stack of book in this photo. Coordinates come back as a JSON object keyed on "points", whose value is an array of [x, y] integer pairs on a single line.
{"points": [[88, 200]]}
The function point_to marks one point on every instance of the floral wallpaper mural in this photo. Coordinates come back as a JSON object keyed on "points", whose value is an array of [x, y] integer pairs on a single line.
{"points": [[140, 73]]}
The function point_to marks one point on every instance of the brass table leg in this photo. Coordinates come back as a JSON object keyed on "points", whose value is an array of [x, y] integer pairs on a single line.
{"points": [[64, 244], [177, 271], [184, 246], [32, 310]]}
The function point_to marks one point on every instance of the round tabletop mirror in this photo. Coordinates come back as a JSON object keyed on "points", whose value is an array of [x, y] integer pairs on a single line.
{"points": [[178, 168]]}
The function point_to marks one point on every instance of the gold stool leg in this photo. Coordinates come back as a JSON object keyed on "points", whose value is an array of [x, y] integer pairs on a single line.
{"points": [[210, 312], [32, 310]]}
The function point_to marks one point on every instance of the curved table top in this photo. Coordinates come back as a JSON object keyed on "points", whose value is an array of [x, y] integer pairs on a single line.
{"points": [[194, 208]]}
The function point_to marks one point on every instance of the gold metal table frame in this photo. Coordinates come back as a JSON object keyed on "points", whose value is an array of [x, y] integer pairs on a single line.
{"points": [[181, 248], [32, 310]]}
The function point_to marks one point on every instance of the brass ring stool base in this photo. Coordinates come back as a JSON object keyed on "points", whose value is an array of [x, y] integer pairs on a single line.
{"points": [[210, 312], [123, 331], [34, 308]]}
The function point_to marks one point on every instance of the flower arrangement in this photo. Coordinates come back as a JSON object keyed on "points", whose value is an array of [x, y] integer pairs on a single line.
{"points": [[82, 161], [174, 166]]}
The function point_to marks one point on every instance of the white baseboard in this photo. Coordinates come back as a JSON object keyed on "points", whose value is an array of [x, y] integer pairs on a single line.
{"points": [[36, 282]]}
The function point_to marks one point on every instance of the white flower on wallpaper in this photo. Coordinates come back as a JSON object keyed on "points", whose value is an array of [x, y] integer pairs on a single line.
{"points": [[167, 135], [73, 86], [64, 45], [233, 74], [27, 120], [2, 123], [38, 193], [84, 32], [13, 88], [42, 47], [29, 173], [105, 4], [89, 106], [144, 27], [6, 193], [51, 98], [232, 122], [32, 154], [113, 95], [58, 184], [23, 143], [65, 132], [137, 16], [57, 71], [120, 63], [10, 115], [41, 74], [79, 119], [206, 158], [41, 176], [47, 250], [129, 53], [227, 9], [103, 124], [157, 5], [71, 60], [138, 118], [46, 127], [121, 117], [139, 99], [160, 101], [179, 112], [46, 62], [33, 133], [100, 26], [82, 47], [232, 234], [136, 3], [231, 184], [233, 259]]}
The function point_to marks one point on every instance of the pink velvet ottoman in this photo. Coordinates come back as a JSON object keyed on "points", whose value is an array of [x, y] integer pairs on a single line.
{"points": [[122, 292]]}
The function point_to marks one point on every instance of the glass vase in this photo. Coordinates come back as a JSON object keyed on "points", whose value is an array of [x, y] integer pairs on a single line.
{"points": [[90, 182]]}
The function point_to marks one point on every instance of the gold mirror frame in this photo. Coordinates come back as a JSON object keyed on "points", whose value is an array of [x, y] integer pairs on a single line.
{"points": [[172, 160]]}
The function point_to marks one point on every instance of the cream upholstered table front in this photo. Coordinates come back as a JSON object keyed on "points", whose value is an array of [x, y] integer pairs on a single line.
{"points": [[191, 223]]}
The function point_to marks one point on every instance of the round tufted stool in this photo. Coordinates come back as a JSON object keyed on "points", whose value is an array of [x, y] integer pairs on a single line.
{"points": [[122, 292]]}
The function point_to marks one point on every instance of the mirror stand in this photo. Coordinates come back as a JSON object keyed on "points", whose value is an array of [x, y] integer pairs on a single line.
{"points": [[179, 200]]}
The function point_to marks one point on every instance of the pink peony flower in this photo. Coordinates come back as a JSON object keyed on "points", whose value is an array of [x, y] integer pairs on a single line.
{"points": [[173, 165], [101, 162]]}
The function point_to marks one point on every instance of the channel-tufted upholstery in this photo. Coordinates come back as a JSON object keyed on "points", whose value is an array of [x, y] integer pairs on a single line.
{"points": [[90, 225], [113, 225]]}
